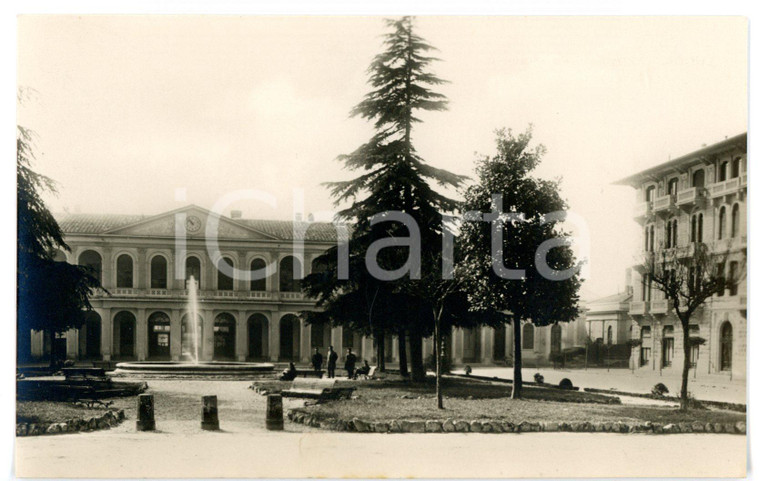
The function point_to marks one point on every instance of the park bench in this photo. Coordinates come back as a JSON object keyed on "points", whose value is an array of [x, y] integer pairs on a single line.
{"points": [[319, 389], [370, 374], [85, 374], [310, 373]]}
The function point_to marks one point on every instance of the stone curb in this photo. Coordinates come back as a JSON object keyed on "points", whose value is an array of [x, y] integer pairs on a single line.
{"points": [[495, 426], [108, 419]]}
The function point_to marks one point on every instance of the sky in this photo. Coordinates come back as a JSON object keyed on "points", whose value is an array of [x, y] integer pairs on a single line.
{"points": [[133, 113]]}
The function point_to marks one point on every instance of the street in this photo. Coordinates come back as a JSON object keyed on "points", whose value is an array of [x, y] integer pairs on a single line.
{"points": [[240, 452]]}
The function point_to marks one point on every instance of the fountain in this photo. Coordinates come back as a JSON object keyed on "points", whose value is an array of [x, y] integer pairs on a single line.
{"points": [[193, 366]]}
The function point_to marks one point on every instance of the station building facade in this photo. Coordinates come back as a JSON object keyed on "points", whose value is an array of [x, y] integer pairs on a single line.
{"points": [[142, 313], [700, 197]]}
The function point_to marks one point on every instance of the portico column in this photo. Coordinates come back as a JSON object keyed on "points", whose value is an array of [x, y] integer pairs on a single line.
{"points": [[457, 345], [336, 339], [106, 327], [305, 341], [367, 352], [486, 345], [175, 329], [72, 344], [241, 331], [208, 335], [142, 335], [274, 336]]}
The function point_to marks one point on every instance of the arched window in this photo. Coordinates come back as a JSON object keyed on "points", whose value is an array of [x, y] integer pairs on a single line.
{"points": [[733, 275], [735, 220], [223, 281], [59, 256], [698, 178], [722, 222], [556, 339], [288, 281], [158, 274], [675, 233], [650, 193], [527, 336], [668, 346], [258, 284], [609, 335], [124, 271], [693, 235], [92, 261], [668, 233], [735, 167], [699, 228], [726, 346], [651, 238], [723, 171], [193, 269], [673, 186]]}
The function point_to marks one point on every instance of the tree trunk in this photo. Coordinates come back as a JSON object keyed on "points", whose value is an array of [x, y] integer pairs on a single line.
{"points": [[402, 364], [415, 354], [380, 340], [685, 371], [437, 348], [517, 363], [53, 351]]}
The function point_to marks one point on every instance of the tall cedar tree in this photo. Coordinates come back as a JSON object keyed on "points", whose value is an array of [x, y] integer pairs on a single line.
{"points": [[51, 296], [394, 178], [535, 298], [688, 277]]}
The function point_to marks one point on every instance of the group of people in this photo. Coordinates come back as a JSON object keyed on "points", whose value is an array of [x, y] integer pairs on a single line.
{"points": [[317, 361], [332, 360]]}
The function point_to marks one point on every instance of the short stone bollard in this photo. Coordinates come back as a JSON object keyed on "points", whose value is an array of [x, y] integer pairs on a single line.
{"points": [[210, 414], [274, 413], [145, 414]]}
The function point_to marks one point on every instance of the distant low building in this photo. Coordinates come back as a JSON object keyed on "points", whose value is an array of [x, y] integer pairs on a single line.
{"points": [[700, 197]]}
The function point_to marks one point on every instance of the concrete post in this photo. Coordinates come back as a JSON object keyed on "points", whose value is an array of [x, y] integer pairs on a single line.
{"points": [[175, 337], [209, 414], [274, 420], [106, 335], [305, 342], [145, 414]]}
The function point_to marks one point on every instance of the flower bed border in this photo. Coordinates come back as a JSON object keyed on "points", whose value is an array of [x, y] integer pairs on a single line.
{"points": [[108, 419], [737, 407], [302, 416]]}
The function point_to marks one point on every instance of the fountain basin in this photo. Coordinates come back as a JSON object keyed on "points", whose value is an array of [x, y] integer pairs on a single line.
{"points": [[216, 369]]}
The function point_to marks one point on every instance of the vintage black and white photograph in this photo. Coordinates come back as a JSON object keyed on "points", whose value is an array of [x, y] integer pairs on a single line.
{"points": [[291, 246]]}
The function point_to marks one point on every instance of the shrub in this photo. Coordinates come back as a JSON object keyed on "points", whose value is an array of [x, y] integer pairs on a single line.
{"points": [[538, 378], [660, 389], [565, 384], [445, 364]]}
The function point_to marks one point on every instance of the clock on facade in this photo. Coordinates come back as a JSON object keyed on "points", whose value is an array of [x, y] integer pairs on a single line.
{"points": [[193, 224]]}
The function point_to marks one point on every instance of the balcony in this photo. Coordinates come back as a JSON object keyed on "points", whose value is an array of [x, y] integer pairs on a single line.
{"points": [[227, 294], [259, 295], [291, 296], [638, 308], [664, 203], [642, 211], [662, 306], [124, 292], [159, 292], [691, 196], [743, 180], [727, 187]]}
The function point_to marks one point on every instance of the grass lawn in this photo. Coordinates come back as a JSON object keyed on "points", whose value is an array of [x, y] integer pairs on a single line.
{"points": [[469, 400]]}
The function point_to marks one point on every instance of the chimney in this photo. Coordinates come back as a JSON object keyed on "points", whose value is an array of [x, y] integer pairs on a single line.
{"points": [[299, 217], [236, 214], [310, 217]]}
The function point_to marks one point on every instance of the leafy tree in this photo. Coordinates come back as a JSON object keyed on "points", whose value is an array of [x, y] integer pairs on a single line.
{"points": [[689, 276], [51, 296], [520, 226], [394, 178]]}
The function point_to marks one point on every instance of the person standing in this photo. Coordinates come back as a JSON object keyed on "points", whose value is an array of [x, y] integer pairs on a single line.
{"points": [[316, 360], [350, 363], [332, 361]]}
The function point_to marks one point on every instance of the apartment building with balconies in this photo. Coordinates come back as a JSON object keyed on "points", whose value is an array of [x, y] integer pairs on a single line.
{"points": [[700, 197]]}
